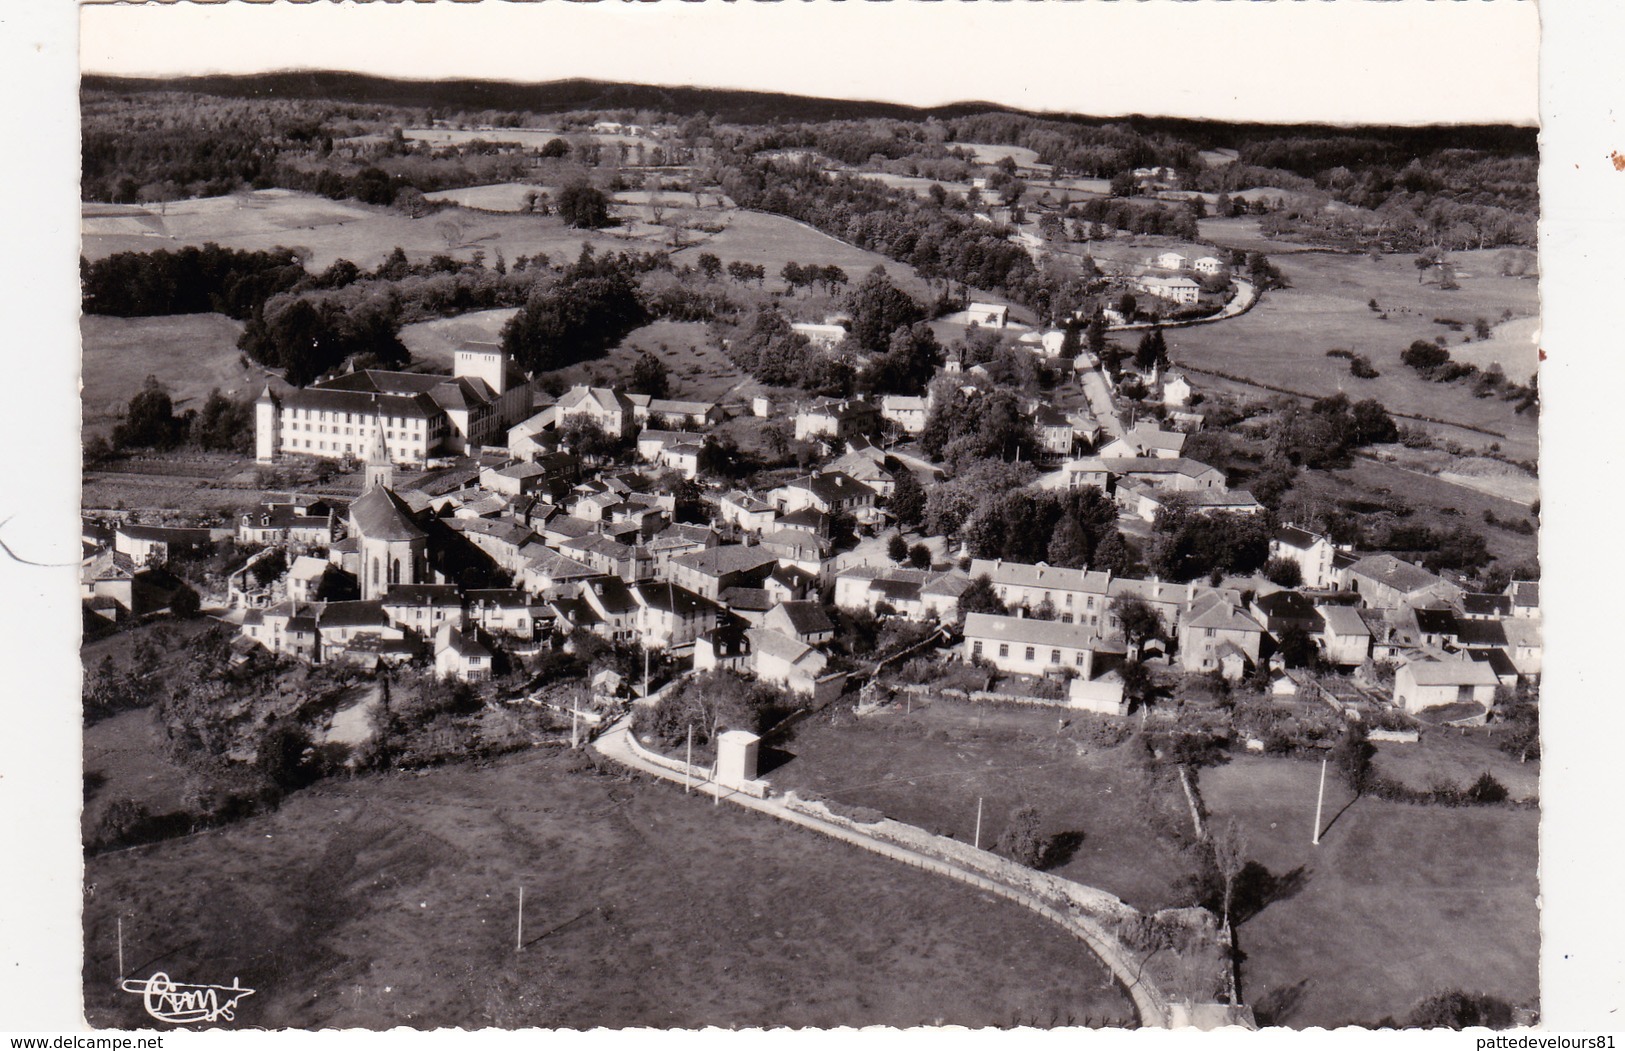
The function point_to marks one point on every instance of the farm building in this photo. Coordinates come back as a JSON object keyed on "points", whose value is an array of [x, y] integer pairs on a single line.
{"points": [[1028, 645], [991, 315], [1431, 684]]}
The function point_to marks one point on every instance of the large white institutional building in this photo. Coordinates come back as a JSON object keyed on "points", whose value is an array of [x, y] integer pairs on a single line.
{"points": [[421, 415]]}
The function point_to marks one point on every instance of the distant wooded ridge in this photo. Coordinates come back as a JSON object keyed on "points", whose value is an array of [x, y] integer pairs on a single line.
{"points": [[759, 107]]}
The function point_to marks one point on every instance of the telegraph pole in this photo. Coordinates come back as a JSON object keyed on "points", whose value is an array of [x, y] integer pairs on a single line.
{"points": [[978, 842], [688, 763], [519, 927], [121, 948], [1319, 801]]}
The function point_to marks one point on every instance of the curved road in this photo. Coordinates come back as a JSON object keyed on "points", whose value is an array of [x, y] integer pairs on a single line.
{"points": [[1149, 1003]]}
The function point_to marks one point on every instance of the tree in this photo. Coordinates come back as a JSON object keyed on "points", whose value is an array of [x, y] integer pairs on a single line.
{"points": [[1283, 571], [1372, 424], [1021, 841], [1152, 352], [879, 308], [709, 265], [584, 206], [649, 376], [1424, 355], [897, 548], [919, 556], [1139, 620], [980, 597], [1229, 844], [1297, 647], [150, 420], [907, 502], [555, 148]]}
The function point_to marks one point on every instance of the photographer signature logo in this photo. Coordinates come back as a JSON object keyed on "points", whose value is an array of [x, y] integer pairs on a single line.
{"points": [[182, 1004]]}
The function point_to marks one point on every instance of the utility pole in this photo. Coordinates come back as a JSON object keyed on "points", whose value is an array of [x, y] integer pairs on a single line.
{"points": [[688, 763], [121, 948], [1319, 801], [978, 841], [519, 927]]}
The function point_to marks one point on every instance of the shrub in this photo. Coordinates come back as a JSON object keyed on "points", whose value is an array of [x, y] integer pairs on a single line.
{"points": [[1360, 367], [1455, 1009], [1486, 790], [1424, 355]]}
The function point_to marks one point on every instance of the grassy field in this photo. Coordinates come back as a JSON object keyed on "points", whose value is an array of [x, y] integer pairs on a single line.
{"points": [[993, 154], [190, 354], [1396, 903], [695, 367], [498, 197], [1458, 756], [1244, 233], [1283, 341], [929, 766], [1430, 498], [329, 230], [391, 900], [433, 343]]}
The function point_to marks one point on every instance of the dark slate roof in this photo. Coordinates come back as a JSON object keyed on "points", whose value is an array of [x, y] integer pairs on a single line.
{"points": [[423, 595], [1292, 604], [1295, 537], [1487, 605], [352, 614], [1436, 621], [381, 515], [612, 594], [1396, 573], [752, 600], [669, 598], [507, 598], [1480, 633], [808, 618], [167, 534], [1498, 661]]}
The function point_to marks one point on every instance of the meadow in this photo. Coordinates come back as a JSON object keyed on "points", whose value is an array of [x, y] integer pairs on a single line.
{"points": [[497, 197], [392, 900], [1282, 342], [190, 354], [929, 764], [1396, 903]]}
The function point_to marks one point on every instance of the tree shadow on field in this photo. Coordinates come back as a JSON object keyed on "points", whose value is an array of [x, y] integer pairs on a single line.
{"points": [[1277, 1006], [1256, 888]]}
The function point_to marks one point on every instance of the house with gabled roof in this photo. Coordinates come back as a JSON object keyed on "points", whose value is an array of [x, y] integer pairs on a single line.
{"points": [[1385, 582], [502, 611], [1525, 595], [1345, 639], [1419, 685], [615, 610], [1212, 621], [708, 572], [830, 492], [1028, 645], [805, 620], [672, 617], [1145, 439], [1311, 552], [1076, 595], [610, 410], [786, 661], [424, 607], [751, 514], [459, 655], [546, 571]]}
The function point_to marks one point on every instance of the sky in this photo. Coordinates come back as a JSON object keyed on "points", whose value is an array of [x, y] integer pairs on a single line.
{"points": [[1348, 62]]}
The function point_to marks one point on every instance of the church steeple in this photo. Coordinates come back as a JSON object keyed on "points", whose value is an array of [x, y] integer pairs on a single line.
{"points": [[380, 469]]}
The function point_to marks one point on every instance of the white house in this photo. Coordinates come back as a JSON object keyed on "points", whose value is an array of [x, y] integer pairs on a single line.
{"points": [[1208, 265], [1430, 684], [1029, 646], [1311, 552], [824, 337], [459, 656], [1171, 261], [1181, 290]]}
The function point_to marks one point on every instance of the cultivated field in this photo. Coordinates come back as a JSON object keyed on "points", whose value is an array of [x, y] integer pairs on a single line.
{"points": [[324, 230], [1244, 233], [1396, 903], [928, 767], [1283, 341], [190, 354], [182, 482], [391, 900]]}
